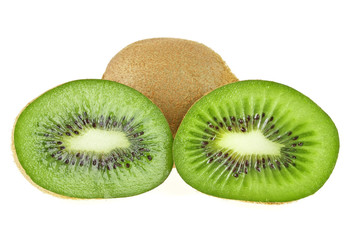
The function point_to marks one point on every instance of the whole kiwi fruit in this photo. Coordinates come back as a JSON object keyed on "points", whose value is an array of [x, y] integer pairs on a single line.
{"points": [[93, 139], [172, 72], [258, 141]]}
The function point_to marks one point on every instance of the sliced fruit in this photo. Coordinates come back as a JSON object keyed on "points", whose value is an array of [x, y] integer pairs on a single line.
{"points": [[258, 141], [93, 139]]}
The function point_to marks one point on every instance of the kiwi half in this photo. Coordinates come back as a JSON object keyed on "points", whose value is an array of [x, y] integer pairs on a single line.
{"points": [[257, 141], [93, 139], [172, 72]]}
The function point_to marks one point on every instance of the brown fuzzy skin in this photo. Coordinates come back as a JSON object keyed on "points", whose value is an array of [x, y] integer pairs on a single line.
{"points": [[173, 73]]}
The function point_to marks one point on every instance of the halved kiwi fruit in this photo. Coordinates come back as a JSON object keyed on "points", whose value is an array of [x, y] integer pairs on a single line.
{"points": [[172, 72], [257, 141], [93, 139]]}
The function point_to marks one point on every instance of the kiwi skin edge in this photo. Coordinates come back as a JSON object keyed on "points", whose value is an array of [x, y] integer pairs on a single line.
{"points": [[21, 169]]}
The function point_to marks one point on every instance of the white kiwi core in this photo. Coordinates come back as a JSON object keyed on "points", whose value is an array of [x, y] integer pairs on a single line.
{"points": [[248, 143], [97, 140]]}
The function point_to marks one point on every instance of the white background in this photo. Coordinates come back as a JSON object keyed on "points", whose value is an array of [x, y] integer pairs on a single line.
{"points": [[304, 44]]}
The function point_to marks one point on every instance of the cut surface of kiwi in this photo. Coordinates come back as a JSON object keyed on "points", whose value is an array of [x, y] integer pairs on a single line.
{"points": [[93, 139], [172, 72], [258, 141]]}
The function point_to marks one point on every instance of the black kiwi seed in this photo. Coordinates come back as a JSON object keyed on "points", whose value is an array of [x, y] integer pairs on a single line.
{"points": [[77, 124]]}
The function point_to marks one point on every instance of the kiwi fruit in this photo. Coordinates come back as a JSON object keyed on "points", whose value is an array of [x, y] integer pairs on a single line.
{"points": [[93, 139], [257, 141], [172, 72]]}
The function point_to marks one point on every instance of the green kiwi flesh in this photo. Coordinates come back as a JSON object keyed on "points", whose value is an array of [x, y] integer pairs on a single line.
{"points": [[258, 141], [93, 139]]}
